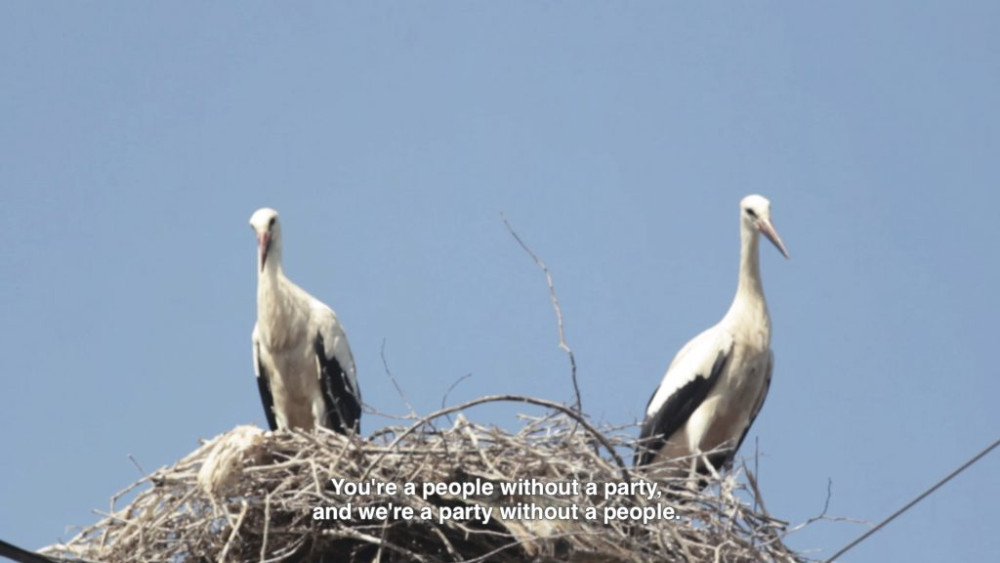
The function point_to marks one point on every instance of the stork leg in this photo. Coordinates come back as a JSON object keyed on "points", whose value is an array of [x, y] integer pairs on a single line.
{"points": [[708, 464], [693, 471]]}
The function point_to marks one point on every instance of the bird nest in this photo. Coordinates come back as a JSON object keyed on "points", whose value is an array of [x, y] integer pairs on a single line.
{"points": [[249, 495]]}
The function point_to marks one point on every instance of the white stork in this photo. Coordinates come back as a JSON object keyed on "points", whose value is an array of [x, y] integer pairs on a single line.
{"points": [[716, 384], [303, 363]]}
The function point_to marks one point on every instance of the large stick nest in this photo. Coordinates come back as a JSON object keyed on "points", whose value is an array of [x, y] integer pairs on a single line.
{"points": [[249, 495]]}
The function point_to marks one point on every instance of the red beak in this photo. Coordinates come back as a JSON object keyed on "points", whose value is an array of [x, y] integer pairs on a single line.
{"points": [[263, 245], [767, 229]]}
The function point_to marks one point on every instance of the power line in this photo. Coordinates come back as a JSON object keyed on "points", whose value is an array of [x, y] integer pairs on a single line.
{"points": [[910, 504]]}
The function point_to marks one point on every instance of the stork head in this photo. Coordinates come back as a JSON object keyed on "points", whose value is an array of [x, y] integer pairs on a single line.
{"points": [[755, 214], [265, 225]]}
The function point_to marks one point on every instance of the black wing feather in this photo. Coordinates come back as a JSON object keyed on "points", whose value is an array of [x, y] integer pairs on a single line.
{"points": [[657, 429], [264, 384], [343, 408]]}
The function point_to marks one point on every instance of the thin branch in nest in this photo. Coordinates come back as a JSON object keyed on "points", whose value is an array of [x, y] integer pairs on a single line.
{"points": [[512, 398], [385, 364], [267, 525], [235, 532], [136, 464], [756, 470], [555, 306], [350, 533], [444, 399]]}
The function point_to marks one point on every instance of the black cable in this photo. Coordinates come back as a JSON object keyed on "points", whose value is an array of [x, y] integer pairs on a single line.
{"points": [[910, 504]]}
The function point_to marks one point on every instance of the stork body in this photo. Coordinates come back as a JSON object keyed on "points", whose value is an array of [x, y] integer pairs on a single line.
{"points": [[716, 384], [304, 367]]}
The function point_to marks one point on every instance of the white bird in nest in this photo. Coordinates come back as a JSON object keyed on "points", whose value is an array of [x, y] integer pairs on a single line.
{"points": [[716, 384], [303, 363]]}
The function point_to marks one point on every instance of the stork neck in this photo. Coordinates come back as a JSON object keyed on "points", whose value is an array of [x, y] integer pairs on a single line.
{"points": [[749, 291], [750, 264], [272, 309], [267, 280]]}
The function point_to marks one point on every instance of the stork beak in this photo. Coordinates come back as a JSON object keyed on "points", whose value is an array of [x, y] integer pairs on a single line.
{"points": [[767, 229], [263, 245]]}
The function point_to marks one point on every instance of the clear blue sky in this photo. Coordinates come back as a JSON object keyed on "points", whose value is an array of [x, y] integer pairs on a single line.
{"points": [[618, 137]]}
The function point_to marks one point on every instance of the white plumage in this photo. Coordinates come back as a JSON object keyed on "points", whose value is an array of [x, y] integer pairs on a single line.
{"points": [[716, 384], [303, 363]]}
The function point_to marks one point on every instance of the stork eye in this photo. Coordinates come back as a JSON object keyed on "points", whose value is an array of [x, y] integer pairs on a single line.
{"points": [[271, 222], [751, 213]]}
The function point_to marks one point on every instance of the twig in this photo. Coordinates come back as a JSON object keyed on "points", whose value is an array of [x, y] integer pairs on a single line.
{"points": [[822, 515], [512, 398], [444, 399], [349, 533], [555, 306], [757, 497], [453, 386], [267, 525], [756, 463], [136, 464], [385, 364], [235, 532]]}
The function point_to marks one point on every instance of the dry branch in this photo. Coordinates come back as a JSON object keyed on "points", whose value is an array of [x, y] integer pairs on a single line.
{"points": [[555, 307]]}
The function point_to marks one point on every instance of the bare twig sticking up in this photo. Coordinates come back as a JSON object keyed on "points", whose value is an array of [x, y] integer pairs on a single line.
{"points": [[444, 399], [514, 398], [555, 306], [385, 365]]}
